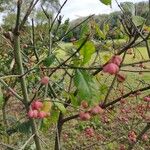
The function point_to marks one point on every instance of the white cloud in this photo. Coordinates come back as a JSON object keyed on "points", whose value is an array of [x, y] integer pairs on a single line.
{"points": [[75, 8]]}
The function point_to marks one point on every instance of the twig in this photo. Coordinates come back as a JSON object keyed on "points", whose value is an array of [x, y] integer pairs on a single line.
{"points": [[10, 89], [23, 147]]}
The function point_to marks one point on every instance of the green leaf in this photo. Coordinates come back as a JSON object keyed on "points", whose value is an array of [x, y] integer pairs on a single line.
{"points": [[103, 89], [24, 127], [84, 30], [99, 32], [52, 119], [106, 28], [74, 100], [138, 20], [128, 7], [60, 106], [86, 51], [87, 87], [82, 81], [49, 60], [106, 2]]}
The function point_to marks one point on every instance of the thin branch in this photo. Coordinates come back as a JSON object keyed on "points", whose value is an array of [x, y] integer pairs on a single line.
{"points": [[10, 89], [75, 27], [125, 96], [33, 39], [23, 147], [31, 7], [8, 146], [59, 11]]}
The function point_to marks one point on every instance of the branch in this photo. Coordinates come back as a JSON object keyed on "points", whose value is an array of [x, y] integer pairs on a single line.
{"points": [[10, 89], [32, 5], [126, 95], [83, 43], [109, 104]]}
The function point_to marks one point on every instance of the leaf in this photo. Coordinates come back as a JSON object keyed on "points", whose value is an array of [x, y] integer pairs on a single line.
{"points": [[106, 28], [103, 89], [99, 32], [60, 106], [82, 81], [106, 57], [49, 60], [74, 100], [47, 105], [128, 7], [106, 2], [138, 20], [24, 127], [87, 50], [84, 30], [52, 119]]}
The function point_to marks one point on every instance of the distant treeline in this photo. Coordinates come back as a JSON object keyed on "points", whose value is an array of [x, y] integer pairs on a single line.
{"points": [[112, 19]]}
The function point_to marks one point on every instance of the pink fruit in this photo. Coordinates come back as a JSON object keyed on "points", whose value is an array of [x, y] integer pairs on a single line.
{"points": [[122, 101], [36, 105], [132, 136], [89, 132], [42, 114], [33, 113], [147, 99], [111, 68], [116, 60], [65, 136], [145, 137], [30, 114], [84, 116], [121, 77], [96, 110], [45, 80], [84, 104], [122, 147]]}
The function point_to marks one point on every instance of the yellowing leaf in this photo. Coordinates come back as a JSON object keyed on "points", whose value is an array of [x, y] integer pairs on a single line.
{"points": [[47, 105], [106, 58]]}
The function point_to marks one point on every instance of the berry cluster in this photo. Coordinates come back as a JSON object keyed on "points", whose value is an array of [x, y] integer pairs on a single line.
{"points": [[112, 66], [45, 80], [147, 99], [89, 132], [36, 110], [132, 136], [91, 112]]}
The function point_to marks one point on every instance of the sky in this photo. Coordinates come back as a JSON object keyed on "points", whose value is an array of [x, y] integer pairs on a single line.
{"points": [[79, 8]]}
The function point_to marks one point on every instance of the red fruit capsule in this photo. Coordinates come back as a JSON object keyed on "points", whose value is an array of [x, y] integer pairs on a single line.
{"points": [[96, 110], [36, 105], [121, 77], [147, 99], [84, 116], [42, 114], [116, 60], [84, 104], [45, 80], [30, 114], [33, 114], [111, 68], [145, 137]]}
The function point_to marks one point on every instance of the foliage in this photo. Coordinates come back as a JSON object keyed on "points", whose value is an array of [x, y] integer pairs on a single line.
{"points": [[61, 93]]}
